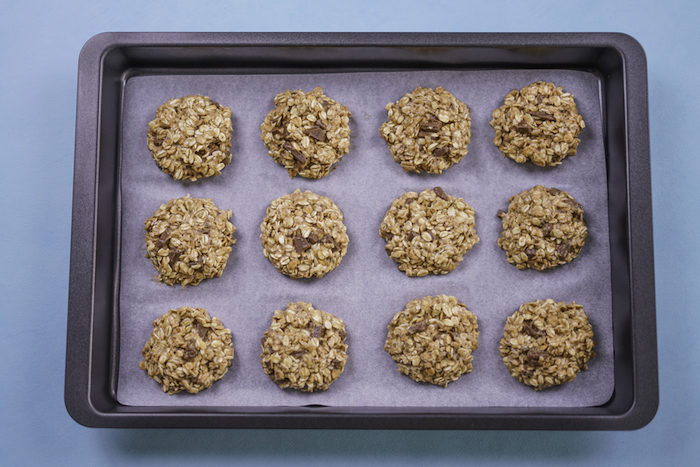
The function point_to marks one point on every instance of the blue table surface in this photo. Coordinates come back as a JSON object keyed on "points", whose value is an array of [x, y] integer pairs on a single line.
{"points": [[39, 47]]}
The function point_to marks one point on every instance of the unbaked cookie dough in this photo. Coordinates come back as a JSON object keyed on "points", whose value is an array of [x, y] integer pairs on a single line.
{"points": [[304, 348], [538, 123], [432, 340], [306, 132], [543, 228], [546, 343], [427, 130], [190, 137], [428, 233], [303, 235], [189, 240], [187, 350]]}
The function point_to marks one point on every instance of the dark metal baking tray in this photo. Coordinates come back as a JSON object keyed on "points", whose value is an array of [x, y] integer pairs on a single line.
{"points": [[108, 60]]}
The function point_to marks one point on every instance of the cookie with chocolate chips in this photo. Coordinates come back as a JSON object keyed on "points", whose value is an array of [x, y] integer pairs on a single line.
{"points": [[538, 123], [187, 350], [304, 348], [428, 233], [190, 137], [432, 340], [427, 130], [542, 229], [546, 343], [303, 235], [306, 132], [189, 240]]}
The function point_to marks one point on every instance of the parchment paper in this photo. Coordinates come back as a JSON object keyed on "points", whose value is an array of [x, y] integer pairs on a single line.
{"points": [[367, 288]]}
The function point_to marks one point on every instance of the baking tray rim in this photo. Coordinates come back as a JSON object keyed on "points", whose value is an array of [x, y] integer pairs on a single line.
{"points": [[103, 411]]}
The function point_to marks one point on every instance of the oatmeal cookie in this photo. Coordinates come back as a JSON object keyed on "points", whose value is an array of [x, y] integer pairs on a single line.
{"points": [[543, 228], [432, 340], [189, 240], [306, 132], [304, 348], [428, 232], [190, 137], [427, 130], [546, 343], [303, 235], [187, 351], [539, 123]]}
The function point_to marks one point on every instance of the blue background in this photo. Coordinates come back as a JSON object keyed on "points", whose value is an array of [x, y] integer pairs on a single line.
{"points": [[39, 47]]}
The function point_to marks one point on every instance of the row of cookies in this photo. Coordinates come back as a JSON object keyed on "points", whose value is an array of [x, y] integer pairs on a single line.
{"points": [[303, 234], [427, 130], [545, 343]]}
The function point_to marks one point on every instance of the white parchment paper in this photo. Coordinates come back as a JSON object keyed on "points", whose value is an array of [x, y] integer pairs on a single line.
{"points": [[367, 288]]}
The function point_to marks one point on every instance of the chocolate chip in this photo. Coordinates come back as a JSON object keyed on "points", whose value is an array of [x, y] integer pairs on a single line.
{"points": [[335, 363], [325, 105], [554, 191], [301, 244], [313, 238], [386, 235], [298, 353], [439, 152], [280, 130], [539, 98], [329, 239], [563, 250], [317, 331], [411, 235], [162, 239], [530, 329], [316, 132], [174, 256], [441, 193], [202, 330], [342, 334], [543, 116], [523, 127], [191, 350], [157, 141], [418, 327], [430, 127], [547, 229], [575, 205], [533, 356], [299, 157], [501, 213], [530, 252], [408, 201]]}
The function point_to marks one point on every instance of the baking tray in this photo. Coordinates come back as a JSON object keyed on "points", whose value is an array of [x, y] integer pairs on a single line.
{"points": [[109, 61]]}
